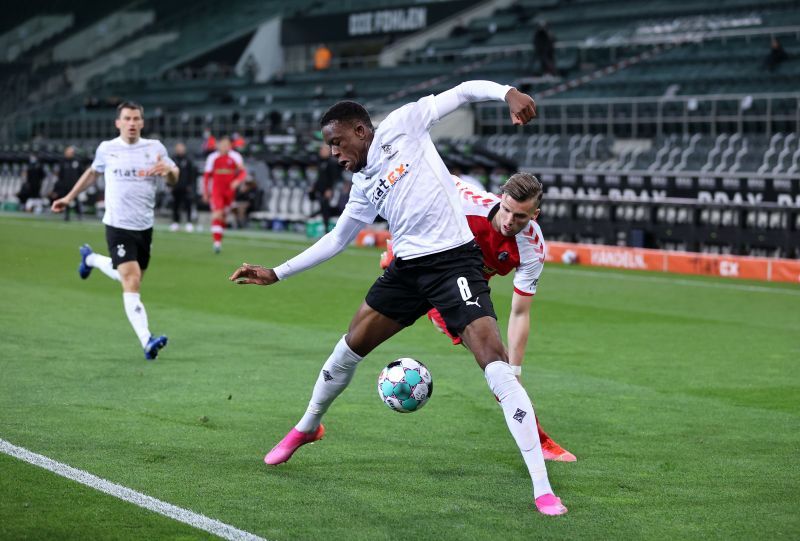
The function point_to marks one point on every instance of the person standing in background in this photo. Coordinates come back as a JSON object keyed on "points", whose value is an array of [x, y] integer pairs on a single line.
{"points": [[69, 171], [31, 189], [544, 45], [322, 57], [329, 175], [183, 192], [223, 173]]}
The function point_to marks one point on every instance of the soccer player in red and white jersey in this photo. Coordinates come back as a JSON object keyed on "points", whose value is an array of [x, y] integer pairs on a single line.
{"points": [[224, 171], [505, 228]]}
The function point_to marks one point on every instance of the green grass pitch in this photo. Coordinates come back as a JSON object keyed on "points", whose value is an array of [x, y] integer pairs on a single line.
{"points": [[679, 396]]}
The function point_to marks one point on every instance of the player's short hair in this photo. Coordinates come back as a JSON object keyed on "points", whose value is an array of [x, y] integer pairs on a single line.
{"points": [[524, 187], [129, 105], [346, 111]]}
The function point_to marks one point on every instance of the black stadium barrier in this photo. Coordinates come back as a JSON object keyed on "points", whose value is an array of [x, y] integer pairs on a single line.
{"points": [[747, 214]]}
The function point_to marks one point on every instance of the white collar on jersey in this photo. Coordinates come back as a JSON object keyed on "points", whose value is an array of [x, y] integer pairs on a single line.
{"points": [[127, 144]]}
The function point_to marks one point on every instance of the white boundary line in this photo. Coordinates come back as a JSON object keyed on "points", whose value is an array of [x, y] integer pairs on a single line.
{"points": [[174, 512], [668, 279]]}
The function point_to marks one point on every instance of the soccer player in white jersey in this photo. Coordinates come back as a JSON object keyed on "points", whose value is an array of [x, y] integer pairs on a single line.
{"points": [[398, 174], [131, 165]]}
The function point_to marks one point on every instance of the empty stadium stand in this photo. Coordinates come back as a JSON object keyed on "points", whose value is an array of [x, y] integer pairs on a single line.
{"points": [[663, 126]]}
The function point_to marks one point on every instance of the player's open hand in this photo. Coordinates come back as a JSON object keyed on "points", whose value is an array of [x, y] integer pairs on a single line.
{"points": [[161, 168], [254, 274], [521, 107], [59, 204]]}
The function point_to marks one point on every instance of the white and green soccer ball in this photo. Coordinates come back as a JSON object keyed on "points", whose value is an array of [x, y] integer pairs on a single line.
{"points": [[405, 385]]}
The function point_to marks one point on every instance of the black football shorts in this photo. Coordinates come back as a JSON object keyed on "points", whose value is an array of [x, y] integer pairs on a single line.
{"points": [[451, 281], [127, 245]]}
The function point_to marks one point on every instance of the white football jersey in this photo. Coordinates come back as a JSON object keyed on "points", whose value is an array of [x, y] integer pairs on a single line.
{"points": [[130, 193], [406, 182]]}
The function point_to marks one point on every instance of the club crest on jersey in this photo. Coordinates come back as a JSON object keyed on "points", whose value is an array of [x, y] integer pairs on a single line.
{"points": [[121, 250], [389, 151], [383, 185], [502, 256]]}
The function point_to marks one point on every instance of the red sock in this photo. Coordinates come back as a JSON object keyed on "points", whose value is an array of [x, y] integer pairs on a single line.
{"points": [[542, 434], [217, 228]]}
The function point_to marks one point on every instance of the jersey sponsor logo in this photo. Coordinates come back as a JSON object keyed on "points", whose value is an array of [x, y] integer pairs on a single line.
{"points": [[129, 174], [384, 184]]}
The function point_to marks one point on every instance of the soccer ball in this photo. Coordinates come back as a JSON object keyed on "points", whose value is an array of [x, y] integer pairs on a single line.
{"points": [[405, 385]]}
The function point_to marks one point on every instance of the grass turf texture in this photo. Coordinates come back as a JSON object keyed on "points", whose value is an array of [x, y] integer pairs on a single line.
{"points": [[679, 399]]}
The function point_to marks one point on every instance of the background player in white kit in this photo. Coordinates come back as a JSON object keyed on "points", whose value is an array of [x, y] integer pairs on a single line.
{"points": [[130, 165], [399, 175]]}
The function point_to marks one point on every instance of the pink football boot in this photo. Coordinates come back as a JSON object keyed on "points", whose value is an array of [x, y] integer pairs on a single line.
{"points": [[549, 504], [291, 443]]}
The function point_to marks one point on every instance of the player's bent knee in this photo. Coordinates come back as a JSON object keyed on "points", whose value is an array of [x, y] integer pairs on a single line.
{"points": [[130, 275]]}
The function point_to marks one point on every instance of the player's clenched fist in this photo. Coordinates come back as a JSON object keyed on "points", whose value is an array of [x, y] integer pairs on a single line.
{"points": [[521, 107], [254, 274]]}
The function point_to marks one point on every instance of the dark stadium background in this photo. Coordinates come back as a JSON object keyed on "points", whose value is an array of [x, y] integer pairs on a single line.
{"points": [[644, 101]]}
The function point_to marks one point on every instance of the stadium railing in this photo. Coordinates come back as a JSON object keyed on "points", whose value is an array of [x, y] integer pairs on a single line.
{"points": [[655, 116]]}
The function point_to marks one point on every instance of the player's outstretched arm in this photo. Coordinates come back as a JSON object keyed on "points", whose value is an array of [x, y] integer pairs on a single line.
{"points": [[325, 248], [521, 106], [519, 324], [87, 178]]}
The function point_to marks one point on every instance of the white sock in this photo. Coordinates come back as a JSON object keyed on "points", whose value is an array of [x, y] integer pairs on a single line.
{"points": [[334, 378], [137, 315], [104, 264], [518, 411]]}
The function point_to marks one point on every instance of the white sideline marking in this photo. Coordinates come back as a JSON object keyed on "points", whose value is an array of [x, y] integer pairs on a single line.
{"points": [[667, 279], [174, 512]]}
